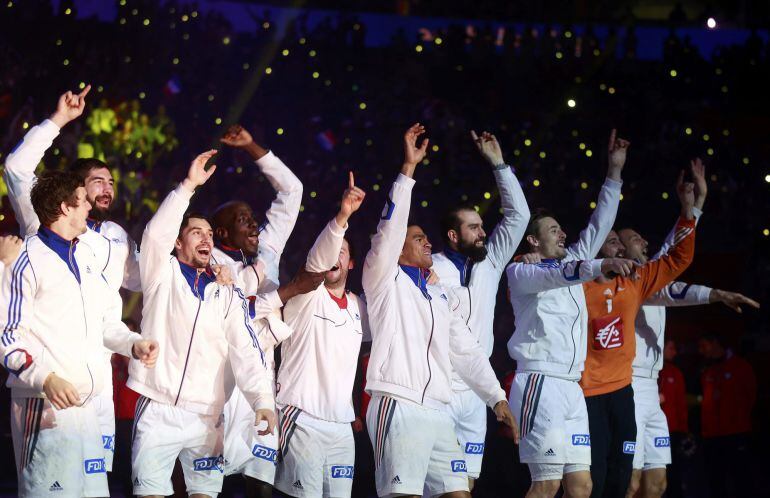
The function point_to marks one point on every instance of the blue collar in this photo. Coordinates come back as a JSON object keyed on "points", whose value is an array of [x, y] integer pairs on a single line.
{"points": [[550, 263], [419, 276], [463, 264], [94, 225], [236, 254], [197, 282], [64, 248]]}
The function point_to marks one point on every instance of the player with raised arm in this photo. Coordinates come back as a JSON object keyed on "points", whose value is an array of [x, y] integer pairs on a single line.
{"points": [[612, 305], [417, 341], [472, 265], [653, 443], [254, 256], [61, 314], [201, 326], [318, 367], [549, 344], [121, 263]]}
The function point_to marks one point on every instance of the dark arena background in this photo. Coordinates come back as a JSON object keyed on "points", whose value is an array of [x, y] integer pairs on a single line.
{"points": [[330, 87]]}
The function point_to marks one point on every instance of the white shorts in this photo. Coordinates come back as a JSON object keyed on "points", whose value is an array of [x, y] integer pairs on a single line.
{"points": [[246, 452], [58, 452], [105, 412], [316, 458], [552, 418], [414, 448], [653, 444], [469, 414], [163, 433]]}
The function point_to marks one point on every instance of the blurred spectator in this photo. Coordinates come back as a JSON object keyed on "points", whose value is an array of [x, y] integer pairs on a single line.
{"points": [[729, 393]]}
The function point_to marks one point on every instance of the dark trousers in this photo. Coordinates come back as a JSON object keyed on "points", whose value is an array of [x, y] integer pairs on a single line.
{"points": [[612, 422], [728, 465]]}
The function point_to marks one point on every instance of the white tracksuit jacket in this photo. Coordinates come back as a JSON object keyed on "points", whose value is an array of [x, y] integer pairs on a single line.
{"points": [[260, 275], [198, 324], [477, 295], [121, 257], [60, 314], [417, 339], [651, 320], [549, 303], [319, 360]]}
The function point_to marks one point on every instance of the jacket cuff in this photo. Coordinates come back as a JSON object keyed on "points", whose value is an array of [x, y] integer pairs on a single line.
{"points": [[404, 181], [336, 229], [498, 397], [265, 401], [612, 184], [702, 293], [49, 128], [595, 267], [266, 159], [183, 192], [274, 300]]}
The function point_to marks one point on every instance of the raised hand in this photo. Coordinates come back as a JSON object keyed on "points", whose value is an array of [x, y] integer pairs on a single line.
{"points": [[686, 193], [70, 107], [236, 136], [488, 147], [146, 351], [531, 258], [197, 175], [616, 153], [351, 201], [732, 300], [698, 171], [267, 416], [10, 246], [413, 153], [60, 393]]}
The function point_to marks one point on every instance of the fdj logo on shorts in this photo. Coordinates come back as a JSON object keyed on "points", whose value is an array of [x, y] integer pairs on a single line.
{"points": [[459, 466], [108, 442], [581, 440], [94, 466], [629, 447], [263, 452], [662, 442], [342, 472], [209, 463], [474, 448]]}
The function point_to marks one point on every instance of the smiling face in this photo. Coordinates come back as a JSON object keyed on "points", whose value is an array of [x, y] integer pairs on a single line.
{"points": [[338, 275], [417, 249], [549, 239], [236, 227], [100, 191], [469, 238], [612, 247], [194, 244], [636, 246]]}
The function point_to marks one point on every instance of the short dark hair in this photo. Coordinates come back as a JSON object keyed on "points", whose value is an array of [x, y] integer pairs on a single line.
{"points": [[192, 215], [451, 220], [51, 189], [83, 166], [533, 227]]}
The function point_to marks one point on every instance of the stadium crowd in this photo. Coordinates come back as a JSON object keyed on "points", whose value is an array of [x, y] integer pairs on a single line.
{"points": [[167, 81]]}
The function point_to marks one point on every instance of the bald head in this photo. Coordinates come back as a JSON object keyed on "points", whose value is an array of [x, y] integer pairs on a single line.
{"points": [[235, 226], [635, 244]]}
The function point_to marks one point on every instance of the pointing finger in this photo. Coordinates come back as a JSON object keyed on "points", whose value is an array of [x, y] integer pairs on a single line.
{"points": [[351, 180]]}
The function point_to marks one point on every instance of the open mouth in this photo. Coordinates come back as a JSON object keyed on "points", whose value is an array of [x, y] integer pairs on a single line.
{"points": [[253, 239], [103, 201], [560, 244], [335, 268], [203, 251]]}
